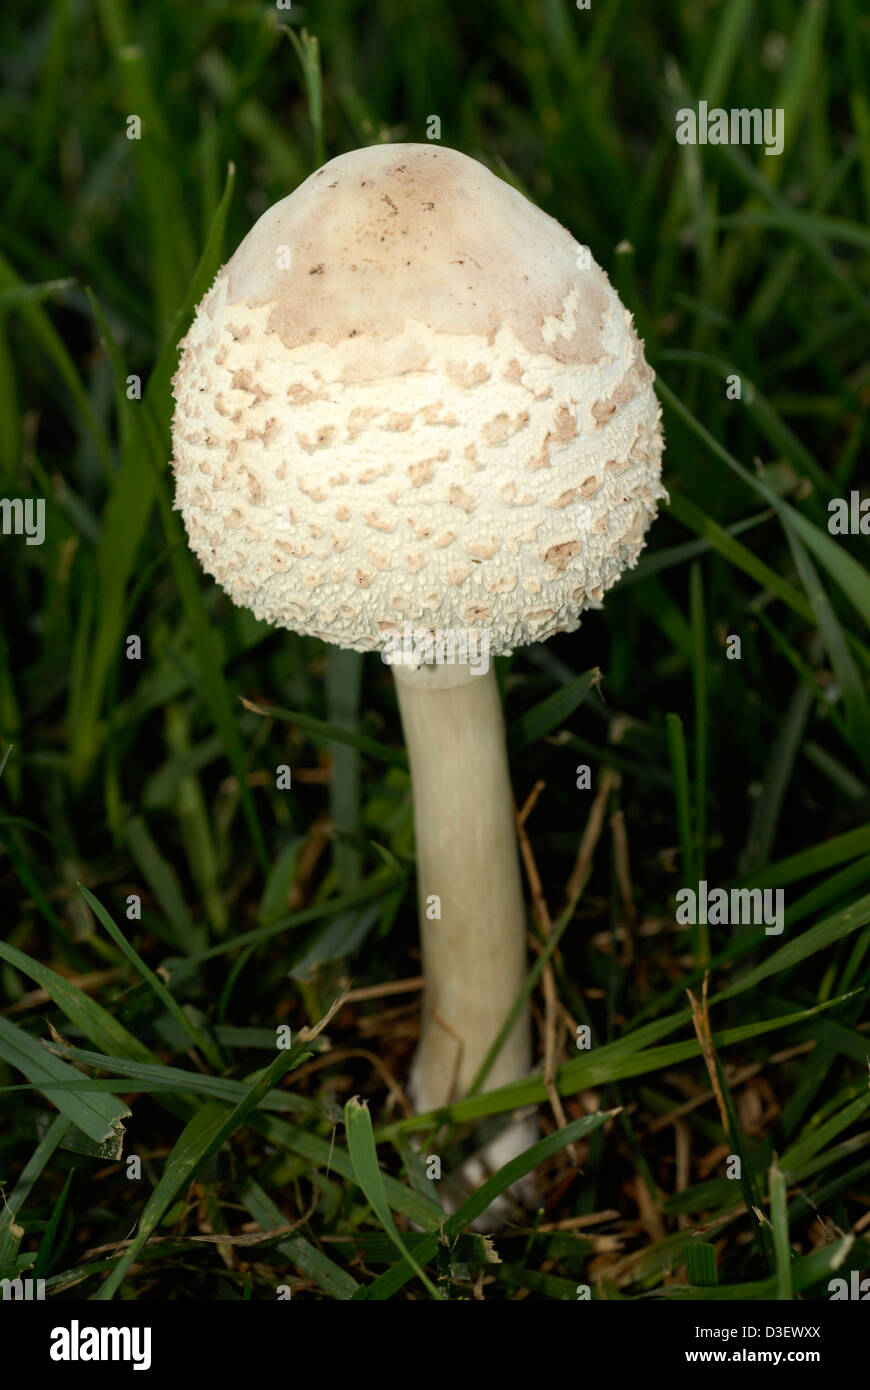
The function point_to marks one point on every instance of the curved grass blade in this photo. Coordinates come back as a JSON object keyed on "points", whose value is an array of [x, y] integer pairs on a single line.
{"points": [[364, 1157], [196, 1035]]}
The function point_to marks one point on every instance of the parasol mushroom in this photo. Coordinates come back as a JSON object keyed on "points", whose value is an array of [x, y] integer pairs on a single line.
{"points": [[411, 404]]}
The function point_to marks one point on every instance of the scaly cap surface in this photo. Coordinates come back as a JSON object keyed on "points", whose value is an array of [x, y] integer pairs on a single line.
{"points": [[405, 399]]}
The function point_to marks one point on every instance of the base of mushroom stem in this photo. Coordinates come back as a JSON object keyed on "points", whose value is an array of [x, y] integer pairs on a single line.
{"points": [[515, 1138], [516, 1201]]}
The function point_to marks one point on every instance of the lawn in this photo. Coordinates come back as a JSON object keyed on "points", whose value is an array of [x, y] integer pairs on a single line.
{"points": [[200, 966]]}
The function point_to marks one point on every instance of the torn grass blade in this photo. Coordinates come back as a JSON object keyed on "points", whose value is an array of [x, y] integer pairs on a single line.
{"points": [[364, 1157]]}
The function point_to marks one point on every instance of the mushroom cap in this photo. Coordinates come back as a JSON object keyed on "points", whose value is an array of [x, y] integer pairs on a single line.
{"points": [[411, 397]]}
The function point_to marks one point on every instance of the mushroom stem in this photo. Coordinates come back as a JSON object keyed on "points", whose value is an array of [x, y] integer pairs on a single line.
{"points": [[472, 922]]}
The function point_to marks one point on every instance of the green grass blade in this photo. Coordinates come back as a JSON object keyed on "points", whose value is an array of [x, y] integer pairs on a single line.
{"points": [[97, 1116], [203, 1136], [701, 1264], [851, 684], [779, 1222], [482, 1199], [539, 721], [97, 1024], [131, 500], [329, 1276], [163, 882], [598, 1071], [324, 732], [197, 1037], [10, 1232], [364, 1157]]}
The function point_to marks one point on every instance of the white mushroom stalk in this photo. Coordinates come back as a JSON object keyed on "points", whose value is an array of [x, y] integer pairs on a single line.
{"points": [[411, 398], [472, 919]]}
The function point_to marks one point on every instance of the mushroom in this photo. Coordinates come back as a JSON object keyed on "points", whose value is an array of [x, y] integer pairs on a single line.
{"points": [[412, 412]]}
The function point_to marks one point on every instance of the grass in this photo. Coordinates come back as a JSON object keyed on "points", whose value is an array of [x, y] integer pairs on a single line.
{"points": [[179, 1054]]}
